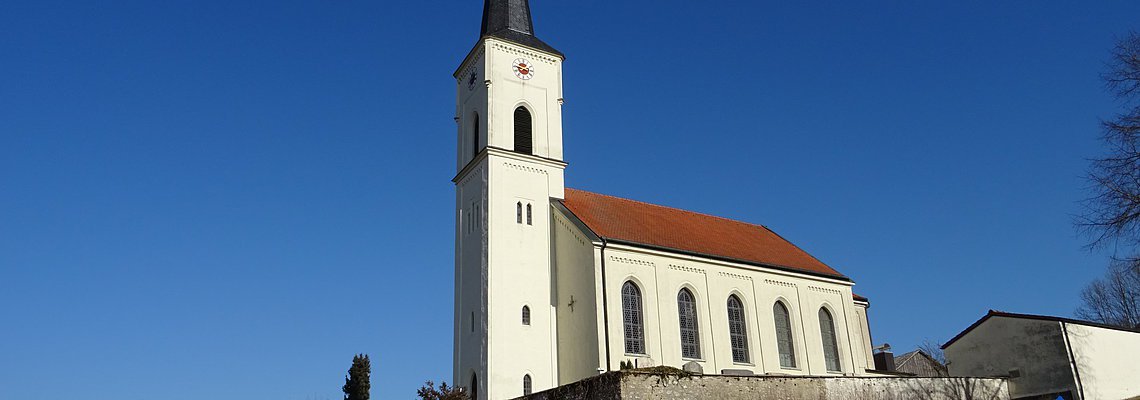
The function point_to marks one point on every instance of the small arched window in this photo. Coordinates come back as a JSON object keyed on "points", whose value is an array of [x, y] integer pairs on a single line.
{"points": [[526, 385], [631, 316], [474, 387], [737, 330], [784, 335], [475, 136], [687, 317], [524, 137], [526, 315], [830, 344], [529, 215], [518, 212]]}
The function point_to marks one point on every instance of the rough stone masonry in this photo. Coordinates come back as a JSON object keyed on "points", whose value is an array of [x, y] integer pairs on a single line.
{"points": [[646, 385]]}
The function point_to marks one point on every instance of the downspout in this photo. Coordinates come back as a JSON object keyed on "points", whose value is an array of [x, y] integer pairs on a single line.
{"points": [[605, 306], [1072, 359]]}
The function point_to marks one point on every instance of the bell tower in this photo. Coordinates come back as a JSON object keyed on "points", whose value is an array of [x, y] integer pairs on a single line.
{"points": [[509, 162]]}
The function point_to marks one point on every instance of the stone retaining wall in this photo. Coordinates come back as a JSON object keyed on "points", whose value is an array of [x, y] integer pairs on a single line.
{"points": [[645, 386]]}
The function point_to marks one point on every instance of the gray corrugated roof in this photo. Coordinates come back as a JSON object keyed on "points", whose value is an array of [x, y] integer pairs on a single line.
{"points": [[511, 20]]}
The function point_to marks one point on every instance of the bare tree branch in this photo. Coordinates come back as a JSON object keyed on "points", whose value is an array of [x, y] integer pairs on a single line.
{"points": [[1112, 214], [1115, 298]]}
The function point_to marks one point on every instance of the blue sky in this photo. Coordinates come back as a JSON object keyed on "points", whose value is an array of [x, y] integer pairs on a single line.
{"points": [[227, 200]]}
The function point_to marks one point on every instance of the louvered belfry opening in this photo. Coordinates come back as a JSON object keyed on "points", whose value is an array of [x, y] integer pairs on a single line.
{"points": [[524, 137]]}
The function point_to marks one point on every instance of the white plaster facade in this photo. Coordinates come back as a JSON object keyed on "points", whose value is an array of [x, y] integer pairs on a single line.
{"points": [[501, 264], [661, 275], [568, 278], [1047, 356]]}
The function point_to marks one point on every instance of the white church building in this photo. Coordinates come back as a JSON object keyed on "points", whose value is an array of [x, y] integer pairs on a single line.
{"points": [[554, 285]]}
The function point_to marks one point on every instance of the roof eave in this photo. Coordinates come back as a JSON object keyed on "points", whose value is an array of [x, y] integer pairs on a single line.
{"points": [[728, 259], [995, 313]]}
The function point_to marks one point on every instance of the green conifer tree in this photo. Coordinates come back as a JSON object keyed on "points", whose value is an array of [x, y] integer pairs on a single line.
{"points": [[356, 384]]}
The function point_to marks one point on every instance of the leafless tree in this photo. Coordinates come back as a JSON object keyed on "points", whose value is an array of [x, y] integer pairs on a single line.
{"points": [[429, 392], [1112, 214], [1115, 298], [934, 350]]}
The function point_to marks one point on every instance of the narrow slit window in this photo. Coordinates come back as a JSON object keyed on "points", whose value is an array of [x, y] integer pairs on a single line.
{"points": [[526, 315], [475, 136], [687, 318], [529, 215], [518, 212]]}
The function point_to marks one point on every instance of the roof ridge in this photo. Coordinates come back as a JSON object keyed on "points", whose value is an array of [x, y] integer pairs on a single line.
{"points": [[678, 209]]}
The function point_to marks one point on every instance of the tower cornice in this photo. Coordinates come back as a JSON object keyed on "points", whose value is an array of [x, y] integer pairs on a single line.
{"points": [[491, 150]]}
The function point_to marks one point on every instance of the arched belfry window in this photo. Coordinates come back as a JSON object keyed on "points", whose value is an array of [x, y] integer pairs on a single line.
{"points": [[526, 315], [830, 344], [687, 317], [526, 385], [475, 136], [524, 136], [529, 215], [631, 315], [784, 335], [518, 212], [737, 330]]}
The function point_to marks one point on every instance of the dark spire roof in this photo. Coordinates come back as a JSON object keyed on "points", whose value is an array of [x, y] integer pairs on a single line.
{"points": [[510, 20]]}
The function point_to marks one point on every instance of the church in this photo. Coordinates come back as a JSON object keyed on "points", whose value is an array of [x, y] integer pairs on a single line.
{"points": [[554, 285]]}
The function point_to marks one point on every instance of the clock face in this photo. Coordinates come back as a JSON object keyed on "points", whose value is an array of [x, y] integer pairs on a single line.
{"points": [[471, 80], [523, 69]]}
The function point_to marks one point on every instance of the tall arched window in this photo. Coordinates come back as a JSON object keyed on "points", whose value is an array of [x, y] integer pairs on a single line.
{"points": [[526, 385], [475, 136], [524, 138], [737, 330], [784, 336], [526, 315], [518, 212], [474, 387], [687, 316], [830, 345], [631, 316], [529, 215]]}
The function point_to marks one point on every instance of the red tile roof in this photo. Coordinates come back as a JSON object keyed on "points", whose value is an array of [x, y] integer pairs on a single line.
{"points": [[651, 225]]}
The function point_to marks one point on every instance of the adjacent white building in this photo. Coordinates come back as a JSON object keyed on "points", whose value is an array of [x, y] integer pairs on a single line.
{"points": [[1049, 357], [553, 285]]}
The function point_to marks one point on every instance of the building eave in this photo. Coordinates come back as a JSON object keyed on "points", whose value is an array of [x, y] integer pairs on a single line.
{"points": [[994, 313]]}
